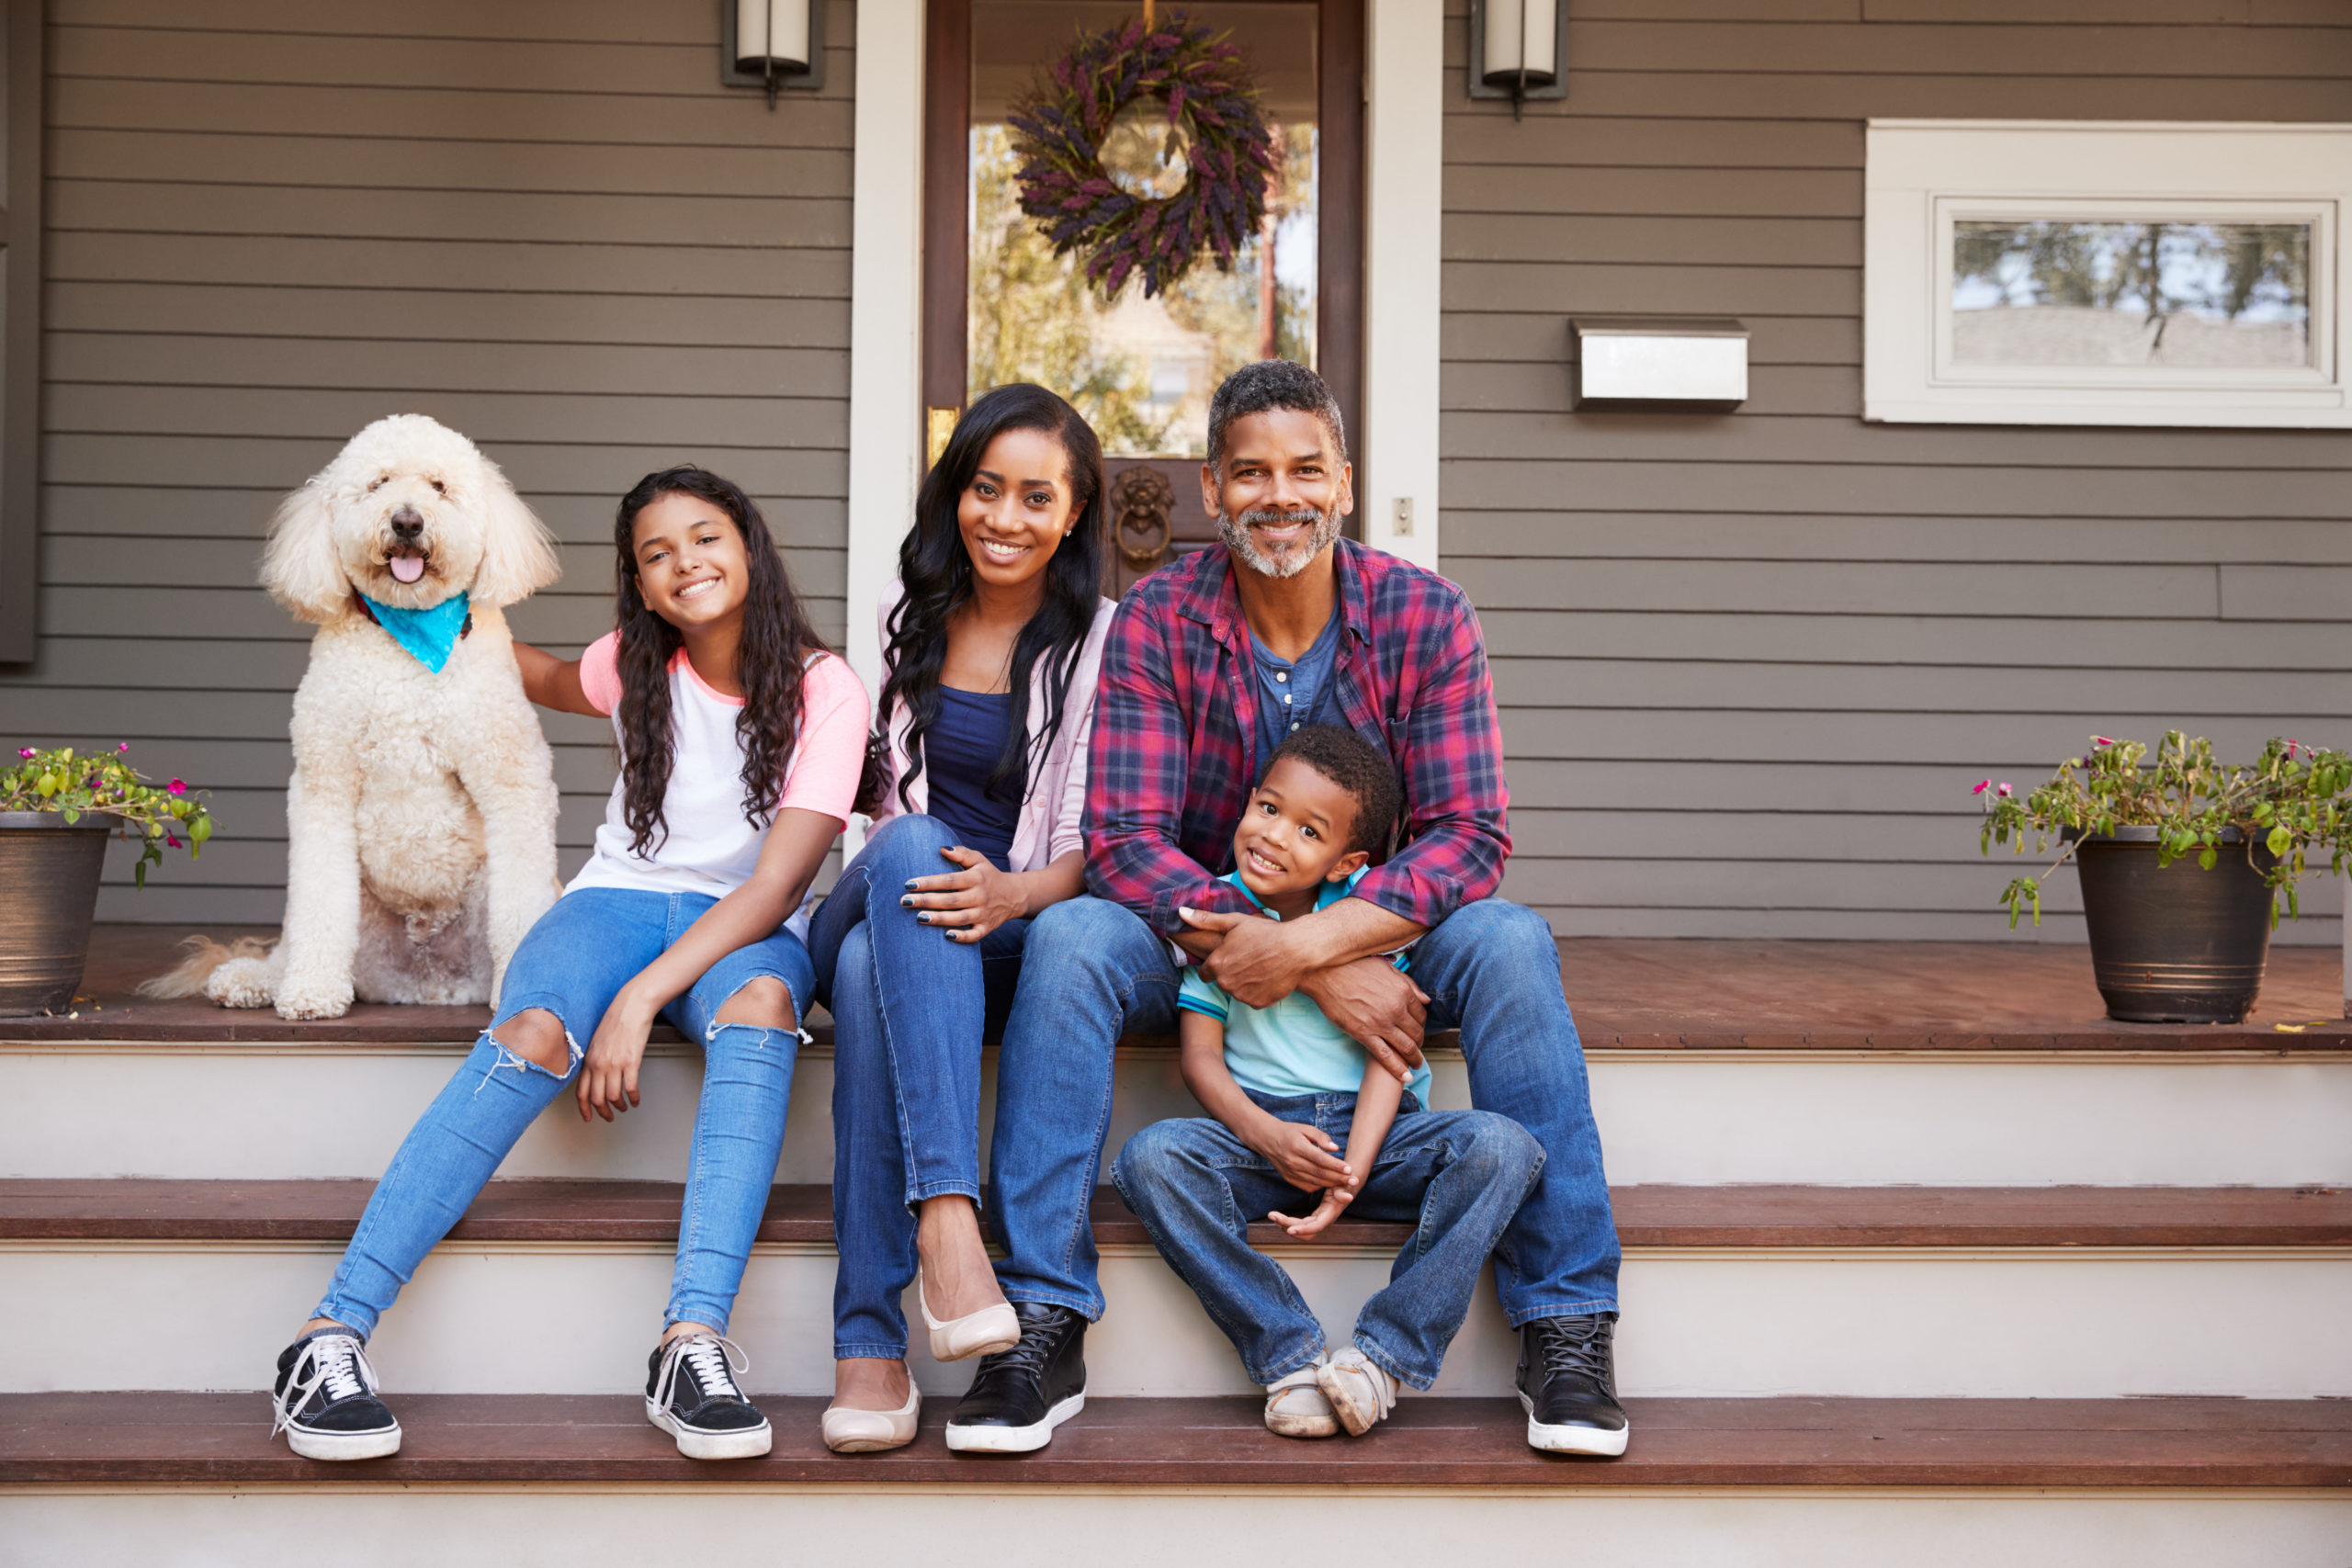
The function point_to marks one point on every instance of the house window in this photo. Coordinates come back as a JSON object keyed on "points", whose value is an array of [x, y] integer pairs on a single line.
{"points": [[2081, 273]]}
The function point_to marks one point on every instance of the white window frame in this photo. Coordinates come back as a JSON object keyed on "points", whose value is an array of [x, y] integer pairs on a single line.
{"points": [[1923, 176]]}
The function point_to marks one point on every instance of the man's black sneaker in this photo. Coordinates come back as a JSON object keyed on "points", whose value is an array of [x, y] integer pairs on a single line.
{"points": [[1020, 1395], [1567, 1385], [324, 1400], [690, 1392]]}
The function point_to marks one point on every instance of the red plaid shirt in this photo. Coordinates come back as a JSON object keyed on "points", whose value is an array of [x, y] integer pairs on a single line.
{"points": [[1176, 749]]}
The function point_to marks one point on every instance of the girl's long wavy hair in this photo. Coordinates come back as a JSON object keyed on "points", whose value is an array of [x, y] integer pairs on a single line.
{"points": [[776, 637], [935, 572]]}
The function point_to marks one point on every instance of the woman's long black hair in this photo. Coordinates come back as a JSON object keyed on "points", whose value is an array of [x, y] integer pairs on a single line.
{"points": [[936, 573], [776, 637]]}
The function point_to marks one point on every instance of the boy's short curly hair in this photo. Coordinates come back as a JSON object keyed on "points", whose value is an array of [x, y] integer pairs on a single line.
{"points": [[1357, 766]]}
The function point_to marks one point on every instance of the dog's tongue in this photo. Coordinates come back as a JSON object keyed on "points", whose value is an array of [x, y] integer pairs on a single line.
{"points": [[407, 568]]}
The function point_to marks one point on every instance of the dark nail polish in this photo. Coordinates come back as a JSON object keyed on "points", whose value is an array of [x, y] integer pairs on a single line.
{"points": [[921, 920], [911, 882], [905, 903]]}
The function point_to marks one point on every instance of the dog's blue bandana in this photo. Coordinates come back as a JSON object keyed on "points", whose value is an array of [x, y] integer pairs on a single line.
{"points": [[428, 635]]}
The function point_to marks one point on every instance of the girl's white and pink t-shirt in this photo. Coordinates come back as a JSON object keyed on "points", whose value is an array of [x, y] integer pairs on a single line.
{"points": [[710, 848]]}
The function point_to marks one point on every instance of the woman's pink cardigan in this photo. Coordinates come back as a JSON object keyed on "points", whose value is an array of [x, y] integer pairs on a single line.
{"points": [[1050, 813]]}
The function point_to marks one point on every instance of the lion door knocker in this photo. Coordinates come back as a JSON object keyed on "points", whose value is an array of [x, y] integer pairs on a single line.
{"points": [[1141, 503]]}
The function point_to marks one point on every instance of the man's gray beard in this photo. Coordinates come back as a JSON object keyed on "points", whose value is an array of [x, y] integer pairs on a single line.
{"points": [[1238, 538]]}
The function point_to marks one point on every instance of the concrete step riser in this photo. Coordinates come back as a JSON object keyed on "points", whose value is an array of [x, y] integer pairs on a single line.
{"points": [[579, 1318], [504, 1527], [261, 1113]]}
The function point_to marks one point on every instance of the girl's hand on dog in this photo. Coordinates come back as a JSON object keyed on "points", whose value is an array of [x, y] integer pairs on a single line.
{"points": [[1335, 1202], [971, 902], [609, 1070]]}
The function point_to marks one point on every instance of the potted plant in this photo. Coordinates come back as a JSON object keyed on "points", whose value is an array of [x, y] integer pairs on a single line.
{"points": [[2185, 864], [56, 812]]}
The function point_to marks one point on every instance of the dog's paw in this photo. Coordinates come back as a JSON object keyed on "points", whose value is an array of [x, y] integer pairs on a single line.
{"points": [[240, 983], [310, 997]]}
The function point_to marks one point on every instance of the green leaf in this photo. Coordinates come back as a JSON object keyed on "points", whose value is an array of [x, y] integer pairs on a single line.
{"points": [[70, 815], [2280, 840]]}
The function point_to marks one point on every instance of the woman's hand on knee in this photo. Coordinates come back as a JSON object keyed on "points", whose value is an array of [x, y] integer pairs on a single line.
{"points": [[609, 1072], [970, 903]]}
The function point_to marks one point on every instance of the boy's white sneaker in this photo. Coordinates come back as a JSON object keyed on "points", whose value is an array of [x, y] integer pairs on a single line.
{"points": [[1361, 1392], [1296, 1407]]}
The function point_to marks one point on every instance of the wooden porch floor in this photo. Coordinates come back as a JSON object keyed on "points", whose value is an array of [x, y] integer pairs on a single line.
{"points": [[1629, 994]]}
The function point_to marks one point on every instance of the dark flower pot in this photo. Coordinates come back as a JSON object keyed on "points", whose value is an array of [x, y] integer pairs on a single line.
{"points": [[49, 893], [2181, 944]]}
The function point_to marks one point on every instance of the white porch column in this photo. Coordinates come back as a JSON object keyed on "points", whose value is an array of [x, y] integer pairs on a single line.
{"points": [[885, 313], [1403, 208]]}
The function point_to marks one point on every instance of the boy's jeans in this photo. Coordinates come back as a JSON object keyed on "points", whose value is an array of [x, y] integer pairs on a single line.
{"points": [[1457, 1177]]}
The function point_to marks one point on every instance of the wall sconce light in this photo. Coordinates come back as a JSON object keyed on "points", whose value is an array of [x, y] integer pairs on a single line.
{"points": [[1515, 51], [773, 44]]}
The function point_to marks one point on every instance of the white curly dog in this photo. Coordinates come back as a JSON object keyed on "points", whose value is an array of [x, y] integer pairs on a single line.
{"points": [[421, 816]]}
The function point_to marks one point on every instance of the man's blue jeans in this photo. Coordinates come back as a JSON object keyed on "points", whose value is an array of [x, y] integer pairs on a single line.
{"points": [[573, 963], [1095, 971], [1456, 1177], [911, 1009]]}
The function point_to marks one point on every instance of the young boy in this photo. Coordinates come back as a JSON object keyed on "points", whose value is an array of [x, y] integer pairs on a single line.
{"points": [[1279, 1081]]}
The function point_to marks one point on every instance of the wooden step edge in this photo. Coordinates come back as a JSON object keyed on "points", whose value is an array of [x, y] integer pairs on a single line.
{"points": [[386, 1026], [120, 1439], [1775, 1217]]}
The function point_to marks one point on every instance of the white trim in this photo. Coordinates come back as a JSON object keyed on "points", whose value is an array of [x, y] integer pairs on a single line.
{"points": [[885, 313], [1924, 173], [1403, 266]]}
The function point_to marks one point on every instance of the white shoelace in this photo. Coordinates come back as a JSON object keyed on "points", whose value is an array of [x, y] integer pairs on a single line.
{"points": [[714, 1359], [334, 1360]]}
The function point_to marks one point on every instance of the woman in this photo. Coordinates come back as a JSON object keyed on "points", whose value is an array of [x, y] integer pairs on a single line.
{"points": [[992, 640]]}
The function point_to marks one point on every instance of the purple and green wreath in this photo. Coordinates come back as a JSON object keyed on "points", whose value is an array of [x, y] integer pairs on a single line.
{"points": [[1059, 131]]}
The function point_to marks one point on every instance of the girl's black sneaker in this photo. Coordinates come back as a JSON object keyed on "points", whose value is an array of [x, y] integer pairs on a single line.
{"points": [[325, 1400], [690, 1392]]}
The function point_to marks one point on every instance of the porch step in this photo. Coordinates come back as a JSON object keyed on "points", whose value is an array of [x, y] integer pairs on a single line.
{"points": [[1868, 1114], [173, 1479], [223, 1438], [1727, 1290]]}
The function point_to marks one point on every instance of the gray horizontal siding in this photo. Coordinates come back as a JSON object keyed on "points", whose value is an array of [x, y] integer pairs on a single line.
{"points": [[1750, 665], [541, 221]]}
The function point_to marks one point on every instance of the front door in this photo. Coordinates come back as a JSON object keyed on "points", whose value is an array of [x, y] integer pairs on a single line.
{"points": [[999, 306]]}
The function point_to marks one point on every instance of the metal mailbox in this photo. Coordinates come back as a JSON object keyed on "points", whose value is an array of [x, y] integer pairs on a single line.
{"points": [[1669, 363]]}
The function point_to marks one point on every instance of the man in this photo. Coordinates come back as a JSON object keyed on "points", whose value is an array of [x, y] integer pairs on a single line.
{"points": [[1211, 661]]}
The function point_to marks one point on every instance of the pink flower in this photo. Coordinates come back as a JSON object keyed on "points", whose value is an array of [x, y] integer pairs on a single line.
{"points": [[2101, 741], [1980, 789], [176, 787], [2005, 792], [122, 745], [172, 840], [24, 750]]}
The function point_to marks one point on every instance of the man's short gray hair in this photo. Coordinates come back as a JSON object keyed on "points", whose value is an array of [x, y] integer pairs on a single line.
{"points": [[1272, 384]]}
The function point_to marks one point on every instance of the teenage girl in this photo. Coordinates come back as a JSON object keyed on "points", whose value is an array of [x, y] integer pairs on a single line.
{"points": [[742, 741], [992, 639]]}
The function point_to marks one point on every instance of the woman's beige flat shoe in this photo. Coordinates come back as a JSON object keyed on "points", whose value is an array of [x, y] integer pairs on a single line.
{"points": [[982, 1333], [871, 1431]]}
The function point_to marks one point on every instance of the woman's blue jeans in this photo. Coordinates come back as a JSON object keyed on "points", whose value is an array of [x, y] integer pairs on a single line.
{"points": [[573, 963], [1456, 1177], [911, 1009]]}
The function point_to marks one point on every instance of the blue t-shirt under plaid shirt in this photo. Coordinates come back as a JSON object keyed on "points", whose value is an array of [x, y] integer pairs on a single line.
{"points": [[1289, 1048]]}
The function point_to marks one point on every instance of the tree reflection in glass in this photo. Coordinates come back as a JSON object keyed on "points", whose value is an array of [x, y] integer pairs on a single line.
{"points": [[2057, 292]]}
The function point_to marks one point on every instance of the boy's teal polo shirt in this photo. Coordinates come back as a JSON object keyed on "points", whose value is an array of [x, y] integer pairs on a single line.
{"points": [[1289, 1048]]}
